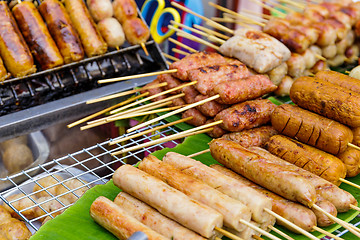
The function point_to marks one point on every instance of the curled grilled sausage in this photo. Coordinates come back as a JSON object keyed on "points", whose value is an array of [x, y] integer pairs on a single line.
{"points": [[37, 36], [246, 115], [124, 9], [209, 109], [255, 137], [136, 31], [197, 120], [340, 79], [351, 158], [311, 128], [62, 30], [327, 99], [100, 9], [217, 131], [13, 49], [112, 32], [89, 34], [309, 158]]}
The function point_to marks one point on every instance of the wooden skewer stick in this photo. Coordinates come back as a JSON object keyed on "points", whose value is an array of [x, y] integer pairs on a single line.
{"points": [[136, 76], [121, 94], [171, 57], [355, 207], [280, 218], [295, 4], [106, 110], [349, 183], [353, 146], [263, 232], [235, 13], [227, 234], [253, 17], [217, 238], [280, 232], [143, 46], [199, 40], [153, 96], [320, 230], [260, 15], [168, 63], [211, 32], [281, 14], [186, 133], [173, 113], [199, 153], [175, 50], [346, 225], [287, 9], [190, 49], [207, 20], [318, 56], [149, 131]]}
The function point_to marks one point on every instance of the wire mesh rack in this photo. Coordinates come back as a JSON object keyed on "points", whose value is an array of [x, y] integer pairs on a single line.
{"points": [[60, 182]]}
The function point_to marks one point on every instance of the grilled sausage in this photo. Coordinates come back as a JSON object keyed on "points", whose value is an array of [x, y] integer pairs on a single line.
{"points": [[339, 79], [209, 109], [278, 73], [117, 221], [275, 177], [319, 66], [188, 212], [190, 94], [153, 219], [171, 81], [255, 137], [246, 115], [194, 61], [309, 158], [291, 211], [14, 229], [252, 199], [124, 9], [208, 77], [100, 9], [340, 198], [197, 118], [153, 91], [178, 102], [136, 31], [327, 33], [62, 30], [240, 90], [311, 128], [217, 131], [37, 35], [112, 32], [321, 219], [296, 65], [13, 48], [3, 73], [284, 87], [356, 134], [351, 158], [231, 209], [89, 34], [327, 99]]}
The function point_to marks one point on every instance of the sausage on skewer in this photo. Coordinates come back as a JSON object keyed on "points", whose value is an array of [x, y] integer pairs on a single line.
{"points": [[340, 79]]}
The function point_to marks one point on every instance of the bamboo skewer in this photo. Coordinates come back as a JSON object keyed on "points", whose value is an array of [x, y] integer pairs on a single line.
{"points": [[171, 57], [253, 17], [175, 50], [106, 110], [143, 46], [149, 131], [287, 9], [318, 56], [280, 232], [263, 232], [121, 94], [353, 146], [227, 234], [295, 4], [260, 15], [110, 80], [190, 49], [198, 153], [173, 113], [349, 183], [281, 14], [217, 238], [211, 32], [320, 230], [355, 207]]}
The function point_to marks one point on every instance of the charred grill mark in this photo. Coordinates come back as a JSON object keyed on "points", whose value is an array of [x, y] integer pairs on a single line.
{"points": [[216, 67], [202, 70]]}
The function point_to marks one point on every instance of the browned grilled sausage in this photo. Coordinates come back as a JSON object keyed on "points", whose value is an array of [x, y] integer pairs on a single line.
{"points": [[240, 90], [3, 73], [351, 158], [246, 115], [340, 79], [62, 31], [171, 81], [178, 102], [275, 175], [37, 35], [255, 137], [197, 120], [124, 9], [327, 99], [356, 134], [311, 128], [89, 34], [217, 131], [309, 158], [13, 48], [319, 66], [153, 91], [321, 219], [209, 109], [136, 31], [190, 94]]}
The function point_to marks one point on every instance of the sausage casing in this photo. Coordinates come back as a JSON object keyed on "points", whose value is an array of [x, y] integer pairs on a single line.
{"points": [[198, 119], [311, 128], [209, 109], [37, 35], [124, 9], [327, 99], [340, 79], [13, 49], [351, 158], [62, 31], [309, 158], [136, 31], [3, 73], [89, 34]]}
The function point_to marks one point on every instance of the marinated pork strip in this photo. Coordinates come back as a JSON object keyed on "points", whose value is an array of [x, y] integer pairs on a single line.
{"points": [[232, 210], [209, 109], [309, 158], [116, 220], [246, 115], [241, 90], [89, 34], [253, 200], [217, 131], [194, 61], [178, 102], [198, 119], [171, 81], [340, 198], [278, 178], [311, 128], [153, 219], [37, 35], [208, 77], [255, 137], [291, 211], [13, 49], [326, 99], [62, 30], [339, 79], [351, 158], [167, 200], [190, 94]]}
